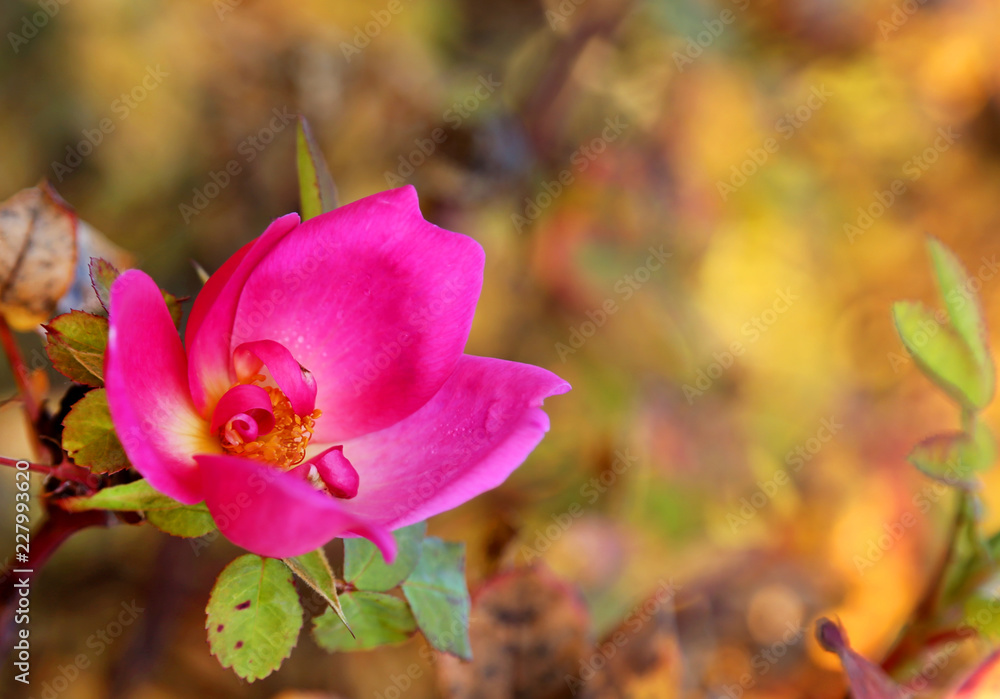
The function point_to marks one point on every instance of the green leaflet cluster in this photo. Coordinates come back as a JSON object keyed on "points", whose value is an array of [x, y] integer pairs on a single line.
{"points": [[950, 347], [254, 613]]}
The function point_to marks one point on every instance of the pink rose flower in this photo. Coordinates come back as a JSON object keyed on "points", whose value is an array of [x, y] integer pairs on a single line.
{"points": [[322, 389]]}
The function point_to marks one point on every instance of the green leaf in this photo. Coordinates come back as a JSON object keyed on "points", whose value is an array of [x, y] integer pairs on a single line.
{"points": [[75, 343], [941, 354], [314, 570], [102, 276], [316, 188], [89, 435], [955, 457], [964, 309], [365, 568], [439, 597], [186, 520], [378, 620], [254, 616], [164, 513], [131, 497]]}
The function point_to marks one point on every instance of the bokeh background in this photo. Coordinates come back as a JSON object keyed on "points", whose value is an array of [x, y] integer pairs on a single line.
{"points": [[713, 275]]}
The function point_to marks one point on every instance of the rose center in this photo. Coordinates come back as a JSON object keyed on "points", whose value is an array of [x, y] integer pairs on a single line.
{"points": [[284, 445]]}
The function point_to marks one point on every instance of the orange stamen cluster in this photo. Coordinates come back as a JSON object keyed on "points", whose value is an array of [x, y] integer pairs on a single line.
{"points": [[285, 445]]}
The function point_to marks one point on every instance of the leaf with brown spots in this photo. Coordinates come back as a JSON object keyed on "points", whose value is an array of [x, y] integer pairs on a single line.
{"points": [[37, 255], [529, 631], [254, 616]]}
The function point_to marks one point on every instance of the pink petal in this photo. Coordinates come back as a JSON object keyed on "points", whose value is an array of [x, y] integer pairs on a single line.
{"points": [[480, 426], [146, 379], [277, 514], [337, 472], [246, 427], [245, 398], [374, 301], [294, 382], [212, 288], [209, 340]]}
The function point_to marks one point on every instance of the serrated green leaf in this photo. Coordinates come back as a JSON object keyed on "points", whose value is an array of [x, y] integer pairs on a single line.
{"points": [[187, 521], [164, 513], [102, 276], [941, 354], [254, 616], [75, 343], [439, 596], [316, 189], [377, 619], [365, 568], [89, 436], [315, 571], [955, 457], [962, 303], [131, 497]]}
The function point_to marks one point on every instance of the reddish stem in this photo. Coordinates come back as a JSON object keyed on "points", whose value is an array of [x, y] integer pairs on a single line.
{"points": [[22, 377], [55, 530], [15, 463]]}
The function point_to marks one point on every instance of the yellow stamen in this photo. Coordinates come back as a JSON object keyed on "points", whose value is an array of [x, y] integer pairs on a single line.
{"points": [[285, 445]]}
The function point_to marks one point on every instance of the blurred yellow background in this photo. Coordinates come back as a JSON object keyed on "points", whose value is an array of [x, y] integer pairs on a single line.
{"points": [[697, 213]]}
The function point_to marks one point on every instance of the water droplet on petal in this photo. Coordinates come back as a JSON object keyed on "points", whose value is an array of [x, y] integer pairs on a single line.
{"points": [[494, 417]]}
